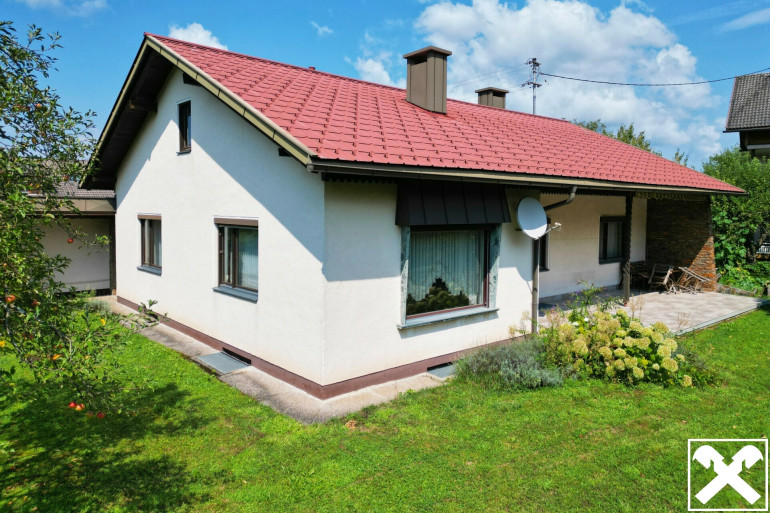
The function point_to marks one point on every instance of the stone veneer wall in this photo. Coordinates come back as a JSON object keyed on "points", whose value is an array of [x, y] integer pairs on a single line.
{"points": [[679, 233]]}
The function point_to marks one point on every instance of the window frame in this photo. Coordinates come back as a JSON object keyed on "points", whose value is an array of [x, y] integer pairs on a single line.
{"points": [[604, 220], [146, 222], [184, 121], [233, 224], [486, 267]]}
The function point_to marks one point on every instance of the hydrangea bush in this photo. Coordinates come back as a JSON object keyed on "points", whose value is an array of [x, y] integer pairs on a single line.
{"points": [[616, 347]]}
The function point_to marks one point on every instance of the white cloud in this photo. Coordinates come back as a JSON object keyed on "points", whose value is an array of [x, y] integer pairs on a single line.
{"points": [[322, 30], [377, 64], [40, 4], [195, 33], [72, 7], [375, 69], [490, 41], [759, 17]]}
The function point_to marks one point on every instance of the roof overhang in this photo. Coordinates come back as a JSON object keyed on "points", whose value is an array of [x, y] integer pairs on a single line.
{"points": [[138, 98], [372, 171]]}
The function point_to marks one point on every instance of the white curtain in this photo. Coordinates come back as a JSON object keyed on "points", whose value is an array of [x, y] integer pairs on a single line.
{"points": [[457, 257], [614, 232], [247, 257]]}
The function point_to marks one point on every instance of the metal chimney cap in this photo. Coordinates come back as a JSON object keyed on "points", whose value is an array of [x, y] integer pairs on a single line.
{"points": [[493, 89], [425, 50]]}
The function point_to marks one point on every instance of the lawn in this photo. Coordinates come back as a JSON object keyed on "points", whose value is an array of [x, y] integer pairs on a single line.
{"points": [[191, 443]]}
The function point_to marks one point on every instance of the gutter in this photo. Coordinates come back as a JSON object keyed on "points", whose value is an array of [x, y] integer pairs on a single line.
{"points": [[501, 177]]}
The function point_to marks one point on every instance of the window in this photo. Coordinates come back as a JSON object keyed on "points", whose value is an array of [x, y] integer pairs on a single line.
{"points": [[238, 256], [185, 127], [447, 270], [610, 239], [152, 242]]}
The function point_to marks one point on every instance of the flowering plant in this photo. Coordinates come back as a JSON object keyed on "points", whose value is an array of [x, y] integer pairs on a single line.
{"points": [[616, 347]]}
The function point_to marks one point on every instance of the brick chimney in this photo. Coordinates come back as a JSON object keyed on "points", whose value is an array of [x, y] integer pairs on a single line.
{"points": [[426, 78], [492, 96]]}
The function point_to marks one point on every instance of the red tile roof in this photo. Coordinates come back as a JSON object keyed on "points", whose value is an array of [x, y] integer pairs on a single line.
{"points": [[343, 119]]}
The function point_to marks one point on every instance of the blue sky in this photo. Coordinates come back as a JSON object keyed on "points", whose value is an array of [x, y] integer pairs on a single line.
{"points": [[624, 41]]}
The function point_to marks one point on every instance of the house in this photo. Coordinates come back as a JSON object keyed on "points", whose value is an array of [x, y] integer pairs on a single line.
{"points": [[749, 113], [92, 266], [337, 233]]}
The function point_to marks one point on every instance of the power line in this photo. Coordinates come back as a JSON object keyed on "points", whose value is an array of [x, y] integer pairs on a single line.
{"points": [[503, 71], [650, 85]]}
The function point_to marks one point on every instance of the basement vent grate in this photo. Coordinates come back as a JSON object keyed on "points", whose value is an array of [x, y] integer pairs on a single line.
{"points": [[222, 362], [442, 371]]}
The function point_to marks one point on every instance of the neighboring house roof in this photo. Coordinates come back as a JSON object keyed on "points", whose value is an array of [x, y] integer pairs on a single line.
{"points": [[88, 202], [750, 103], [71, 190], [330, 120]]}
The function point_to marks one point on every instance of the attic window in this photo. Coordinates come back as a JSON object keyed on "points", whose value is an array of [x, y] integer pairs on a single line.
{"points": [[185, 127]]}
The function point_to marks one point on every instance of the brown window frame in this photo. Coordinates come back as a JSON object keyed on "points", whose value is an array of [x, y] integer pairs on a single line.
{"points": [[487, 230], [147, 256], [185, 127], [223, 224], [603, 222]]}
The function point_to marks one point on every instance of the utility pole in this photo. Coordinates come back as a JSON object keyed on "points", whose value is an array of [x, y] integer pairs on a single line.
{"points": [[534, 75]]}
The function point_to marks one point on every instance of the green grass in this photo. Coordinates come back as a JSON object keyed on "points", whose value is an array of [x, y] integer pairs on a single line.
{"points": [[195, 444]]}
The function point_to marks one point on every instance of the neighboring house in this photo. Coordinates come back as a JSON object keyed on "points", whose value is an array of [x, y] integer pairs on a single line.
{"points": [[92, 266], [338, 233], [749, 113]]}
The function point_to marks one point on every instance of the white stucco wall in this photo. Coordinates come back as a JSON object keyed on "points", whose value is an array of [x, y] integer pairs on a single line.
{"points": [[574, 250], [89, 267], [329, 252], [362, 267], [232, 171]]}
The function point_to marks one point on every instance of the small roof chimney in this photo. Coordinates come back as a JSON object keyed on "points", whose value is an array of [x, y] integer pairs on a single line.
{"points": [[492, 96], [426, 78]]}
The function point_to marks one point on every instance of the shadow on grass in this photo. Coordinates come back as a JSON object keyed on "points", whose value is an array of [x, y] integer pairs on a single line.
{"points": [[54, 459]]}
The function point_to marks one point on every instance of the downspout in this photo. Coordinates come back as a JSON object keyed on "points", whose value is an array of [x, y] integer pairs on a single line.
{"points": [[536, 261]]}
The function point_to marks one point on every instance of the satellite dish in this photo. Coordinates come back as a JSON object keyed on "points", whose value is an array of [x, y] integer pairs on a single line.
{"points": [[531, 217]]}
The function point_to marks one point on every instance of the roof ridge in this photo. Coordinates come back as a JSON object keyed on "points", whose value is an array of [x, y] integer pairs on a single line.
{"points": [[279, 63], [343, 77]]}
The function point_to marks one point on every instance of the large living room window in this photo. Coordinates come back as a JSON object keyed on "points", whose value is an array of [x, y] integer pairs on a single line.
{"points": [[151, 243], [239, 257], [610, 239], [447, 269]]}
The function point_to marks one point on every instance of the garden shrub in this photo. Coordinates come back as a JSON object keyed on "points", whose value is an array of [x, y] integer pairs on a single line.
{"points": [[750, 277], [619, 348], [518, 365]]}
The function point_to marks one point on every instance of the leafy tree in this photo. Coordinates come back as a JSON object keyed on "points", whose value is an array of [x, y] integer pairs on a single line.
{"points": [[737, 218], [43, 327], [626, 134], [681, 157]]}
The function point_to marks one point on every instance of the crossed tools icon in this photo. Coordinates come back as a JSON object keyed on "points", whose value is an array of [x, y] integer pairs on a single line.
{"points": [[727, 474]]}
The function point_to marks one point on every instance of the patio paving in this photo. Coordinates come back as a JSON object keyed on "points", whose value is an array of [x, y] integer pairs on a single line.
{"points": [[682, 312]]}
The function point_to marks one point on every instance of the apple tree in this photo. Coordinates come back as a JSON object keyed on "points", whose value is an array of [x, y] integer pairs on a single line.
{"points": [[46, 331]]}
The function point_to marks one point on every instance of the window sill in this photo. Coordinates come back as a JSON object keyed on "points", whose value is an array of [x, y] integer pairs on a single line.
{"points": [[611, 261], [152, 270], [248, 295], [447, 316], [184, 152]]}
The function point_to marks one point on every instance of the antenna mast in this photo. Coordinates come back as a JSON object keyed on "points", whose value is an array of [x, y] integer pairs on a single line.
{"points": [[532, 82]]}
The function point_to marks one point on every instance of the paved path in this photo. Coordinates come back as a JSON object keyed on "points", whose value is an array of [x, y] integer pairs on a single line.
{"points": [[682, 312], [278, 394]]}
